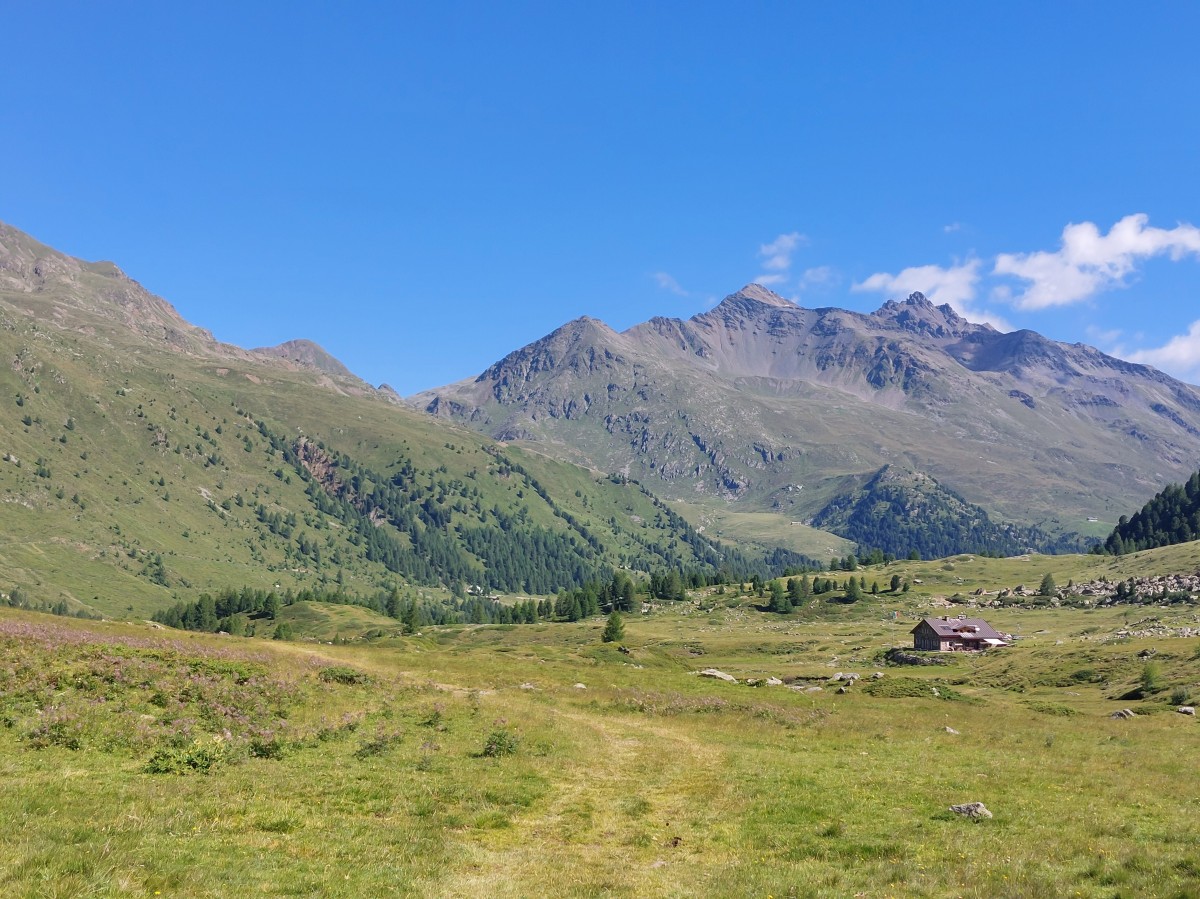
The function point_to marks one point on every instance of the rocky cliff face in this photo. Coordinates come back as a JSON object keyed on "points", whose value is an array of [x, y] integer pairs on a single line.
{"points": [[771, 405]]}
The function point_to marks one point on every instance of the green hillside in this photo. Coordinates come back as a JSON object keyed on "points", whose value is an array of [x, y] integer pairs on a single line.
{"points": [[517, 761], [901, 512], [138, 471]]}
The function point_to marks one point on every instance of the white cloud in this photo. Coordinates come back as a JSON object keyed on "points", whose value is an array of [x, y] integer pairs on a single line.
{"points": [[952, 227], [1101, 337], [666, 282], [1179, 356], [817, 277], [1088, 261], [776, 257], [954, 285]]}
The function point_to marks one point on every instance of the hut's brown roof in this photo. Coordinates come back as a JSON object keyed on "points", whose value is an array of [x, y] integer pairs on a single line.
{"points": [[974, 628]]}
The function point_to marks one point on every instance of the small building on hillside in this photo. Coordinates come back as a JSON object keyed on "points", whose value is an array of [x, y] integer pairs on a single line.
{"points": [[956, 635]]}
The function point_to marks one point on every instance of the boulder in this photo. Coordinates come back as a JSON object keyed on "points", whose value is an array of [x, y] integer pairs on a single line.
{"points": [[774, 682], [950, 730], [974, 810], [1186, 710], [719, 675], [580, 686], [1123, 713]]}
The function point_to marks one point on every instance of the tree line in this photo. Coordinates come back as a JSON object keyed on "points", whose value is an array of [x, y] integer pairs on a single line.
{"points": [[1172, 516]]}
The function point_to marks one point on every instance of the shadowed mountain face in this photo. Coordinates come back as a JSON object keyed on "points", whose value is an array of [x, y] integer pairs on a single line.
{"points": [[762, 402]]}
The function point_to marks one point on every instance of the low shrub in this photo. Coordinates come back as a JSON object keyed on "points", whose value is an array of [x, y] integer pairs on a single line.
{"points": [[913, 688], [381, 743], [500, 742], [340, 674], [57, 728], [200, 757], [1052, 708], [267, 748]]}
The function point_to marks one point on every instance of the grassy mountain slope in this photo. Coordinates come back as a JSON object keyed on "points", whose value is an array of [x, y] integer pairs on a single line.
{"points": [[143, 460]]}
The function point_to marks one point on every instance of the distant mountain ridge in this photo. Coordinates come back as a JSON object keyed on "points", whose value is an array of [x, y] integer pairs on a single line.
{"points": [[769, 405], [100, 300], [307, 354]]}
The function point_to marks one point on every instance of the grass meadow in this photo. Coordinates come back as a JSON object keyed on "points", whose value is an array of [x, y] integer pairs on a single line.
{"points": [[535, 760]]}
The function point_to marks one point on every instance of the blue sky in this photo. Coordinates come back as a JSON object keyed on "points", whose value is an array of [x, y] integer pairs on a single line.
{"points": [[423, 188]]}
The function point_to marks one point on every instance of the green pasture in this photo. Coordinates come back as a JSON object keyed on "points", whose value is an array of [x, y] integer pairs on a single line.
{"points": [[535, 760]]}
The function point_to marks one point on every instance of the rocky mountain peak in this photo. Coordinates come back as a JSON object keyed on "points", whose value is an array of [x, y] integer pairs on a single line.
{"points": [[756, 295], [307, 354], [918, 314], [576, 345]]}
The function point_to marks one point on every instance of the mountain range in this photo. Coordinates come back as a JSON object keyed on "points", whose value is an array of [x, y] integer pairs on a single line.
{"points": [[766, 407], [144, 461]]}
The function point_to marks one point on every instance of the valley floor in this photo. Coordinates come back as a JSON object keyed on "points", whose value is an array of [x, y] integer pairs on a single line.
{"points": [[537, 761]]}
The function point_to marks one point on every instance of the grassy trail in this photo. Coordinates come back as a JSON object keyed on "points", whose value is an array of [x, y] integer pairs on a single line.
{"points": [[624, 822]]}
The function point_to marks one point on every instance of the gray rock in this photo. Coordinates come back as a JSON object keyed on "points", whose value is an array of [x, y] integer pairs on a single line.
{"points": [[950, 730], [580, 686], [719, 675], [774, 682], [1123, 713], [973, 810], [1186, 710], [877, 675]]}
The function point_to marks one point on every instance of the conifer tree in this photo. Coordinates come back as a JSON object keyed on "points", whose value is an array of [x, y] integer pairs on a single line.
{"points": [[614, 630], [779, 600]]}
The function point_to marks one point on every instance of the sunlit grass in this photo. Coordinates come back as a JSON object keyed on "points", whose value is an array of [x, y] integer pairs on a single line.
{"points": [[645, 781]]}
